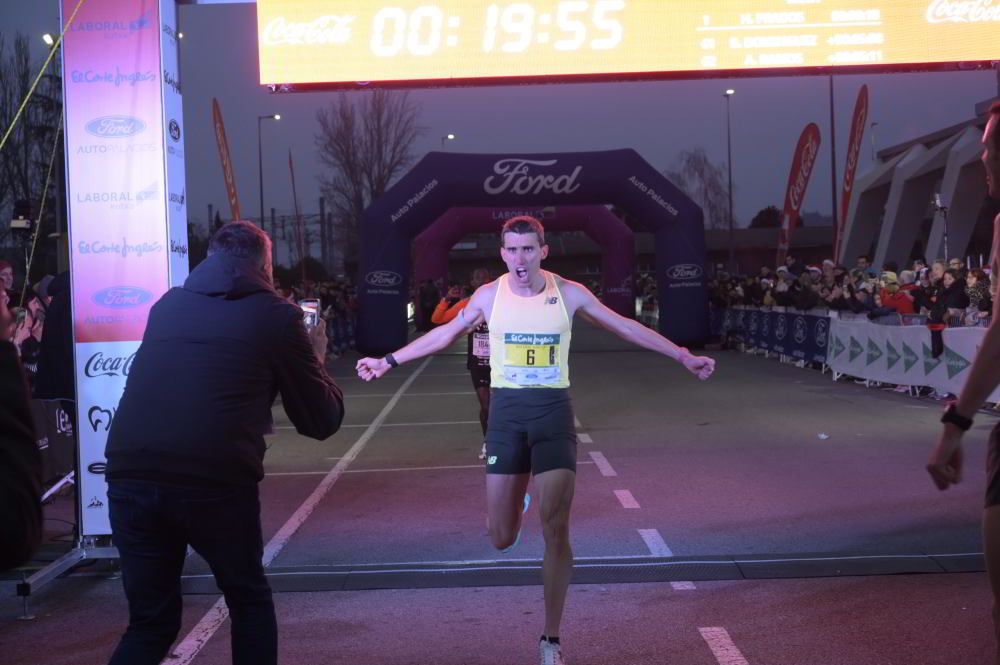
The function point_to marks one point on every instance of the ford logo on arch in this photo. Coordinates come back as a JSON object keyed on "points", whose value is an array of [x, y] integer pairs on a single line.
{"points": [[684, 271], [384, 278], [122, 297], [115, 126]]}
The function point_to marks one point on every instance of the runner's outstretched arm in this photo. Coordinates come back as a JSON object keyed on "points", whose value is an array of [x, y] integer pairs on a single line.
{"points": [[596, 312], [436, 340]]}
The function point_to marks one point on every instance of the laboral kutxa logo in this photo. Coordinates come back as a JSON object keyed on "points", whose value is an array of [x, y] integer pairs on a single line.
{"points": [[115, 28], [120, 199], [115, 126], [122, 297], [384, 278]]}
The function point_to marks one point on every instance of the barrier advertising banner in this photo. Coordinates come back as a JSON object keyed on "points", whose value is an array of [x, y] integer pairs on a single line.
{"points": [[902, 354]]}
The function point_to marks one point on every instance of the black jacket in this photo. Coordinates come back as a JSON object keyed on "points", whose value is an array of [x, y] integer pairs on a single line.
{"points": [[20, 466], [198, 397], [54, 378]]}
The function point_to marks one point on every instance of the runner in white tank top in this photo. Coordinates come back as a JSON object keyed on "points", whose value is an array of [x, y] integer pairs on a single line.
{"points": [[530, 314]]}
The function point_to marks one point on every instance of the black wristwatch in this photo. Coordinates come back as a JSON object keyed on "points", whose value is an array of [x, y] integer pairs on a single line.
{"points": [[955, 418], [394, 363]]}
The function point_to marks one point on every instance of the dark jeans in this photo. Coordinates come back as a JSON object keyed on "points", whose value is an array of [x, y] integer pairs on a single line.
{"points": [[152, 525]]}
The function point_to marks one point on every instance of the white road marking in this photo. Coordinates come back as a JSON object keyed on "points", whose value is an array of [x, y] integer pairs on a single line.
{"points": [[466, 392], [203, 631], [603, 465], [683, 586], [430, 424], [583, 437], [722, 646], [402, 468], [655, 543], [626, 499]]}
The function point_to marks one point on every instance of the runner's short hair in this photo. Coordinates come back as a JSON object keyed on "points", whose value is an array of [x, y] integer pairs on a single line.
{"points": [[524, 224]]}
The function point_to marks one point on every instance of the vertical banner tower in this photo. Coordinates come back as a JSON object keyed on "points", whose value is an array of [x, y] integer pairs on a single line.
{"points": [[126, 202]]}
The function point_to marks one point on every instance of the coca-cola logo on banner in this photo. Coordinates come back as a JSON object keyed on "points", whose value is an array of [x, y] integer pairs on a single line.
{"points": [[684, 271], [122, 297], [809, 152], [329, 29], [384, 278], [102, 365], [963, 11], [115, 126], [515, 176]]}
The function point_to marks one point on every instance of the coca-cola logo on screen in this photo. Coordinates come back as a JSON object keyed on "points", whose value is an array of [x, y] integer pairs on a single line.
{"points": [[322, 30], [519, 176], [684, 271], [102, 365], [384, 278], [115, 126], [963, 11]]}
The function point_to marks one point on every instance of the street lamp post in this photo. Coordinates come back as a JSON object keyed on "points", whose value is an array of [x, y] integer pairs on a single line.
{"points": [[447, 137], [260, 163], [729, 163]]}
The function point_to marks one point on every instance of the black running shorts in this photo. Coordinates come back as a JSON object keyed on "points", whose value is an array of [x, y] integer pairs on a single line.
{"points": [[530, 430], [993, 469]]}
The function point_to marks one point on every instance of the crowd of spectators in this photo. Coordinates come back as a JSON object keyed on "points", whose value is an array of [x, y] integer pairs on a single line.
{"points": [[338, 307], [29, 317], [947, 292]]}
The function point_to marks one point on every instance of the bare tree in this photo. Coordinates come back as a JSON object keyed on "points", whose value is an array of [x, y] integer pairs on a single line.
{"points": [[25, 157], [695, 174], [365, 143]]}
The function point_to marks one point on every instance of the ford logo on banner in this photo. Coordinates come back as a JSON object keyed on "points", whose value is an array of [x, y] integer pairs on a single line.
{"points": [[115, 126], [384, 278], [684, 271], [122, 297]]}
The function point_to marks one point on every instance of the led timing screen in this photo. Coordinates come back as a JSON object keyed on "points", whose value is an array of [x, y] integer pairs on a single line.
{"points": [[342, 42]]}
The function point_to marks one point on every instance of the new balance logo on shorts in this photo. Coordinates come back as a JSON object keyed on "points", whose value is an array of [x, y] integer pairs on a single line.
{"points": [[492, 459]]}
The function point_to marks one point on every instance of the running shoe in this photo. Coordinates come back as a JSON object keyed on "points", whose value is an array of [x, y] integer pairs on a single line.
{"points": [[527, 502], [549, 653]]}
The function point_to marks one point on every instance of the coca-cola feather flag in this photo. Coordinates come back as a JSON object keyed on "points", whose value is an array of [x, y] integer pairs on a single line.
{"points": [[853, 150], [227, 163], [798, 181]]}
